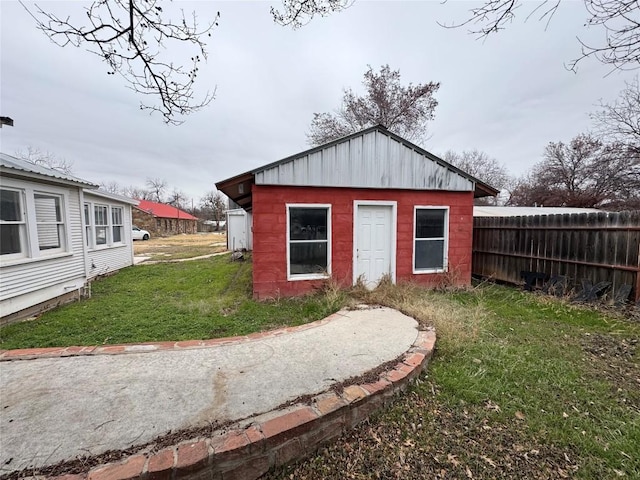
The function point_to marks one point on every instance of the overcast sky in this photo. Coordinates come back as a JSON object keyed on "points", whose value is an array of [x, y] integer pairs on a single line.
{"points": [[508, 95]]}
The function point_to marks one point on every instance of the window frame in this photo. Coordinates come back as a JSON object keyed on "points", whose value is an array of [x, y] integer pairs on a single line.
{"points": [[105, 226], [23, 227], [61, 225], [114, 225], [90, 224], [445, 246], [32, 252], [308, 276], [87, 218]]}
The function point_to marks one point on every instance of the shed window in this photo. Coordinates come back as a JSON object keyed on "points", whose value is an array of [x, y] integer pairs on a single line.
{"points": [[49, 221], [12, 224], [308, 245], [430, 239]]}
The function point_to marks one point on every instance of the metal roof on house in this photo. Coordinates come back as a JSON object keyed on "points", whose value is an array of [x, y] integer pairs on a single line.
{"points": [[486, 211], [12, 166], [372, 158], [162, 210], [113, 196]]}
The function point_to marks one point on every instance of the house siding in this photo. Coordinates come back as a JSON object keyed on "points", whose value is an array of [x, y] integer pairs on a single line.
{"points": [[270, 239], [371, 160], [36, 280], [101, 261]]}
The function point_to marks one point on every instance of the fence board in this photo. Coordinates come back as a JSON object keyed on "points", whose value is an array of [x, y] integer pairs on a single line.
{"points": [[595, 246]]}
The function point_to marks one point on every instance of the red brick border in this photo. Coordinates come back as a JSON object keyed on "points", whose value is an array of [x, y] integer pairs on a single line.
{"points": [[252, 447]]}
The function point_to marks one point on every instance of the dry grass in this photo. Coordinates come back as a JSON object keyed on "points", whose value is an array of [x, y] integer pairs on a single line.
{"points": [[455, 323], [181, 246]]}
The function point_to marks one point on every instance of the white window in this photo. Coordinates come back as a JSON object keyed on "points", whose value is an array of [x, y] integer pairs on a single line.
{"points": [[88, 226], [13, 230], [101, 219], [308, 241], [49, 221], [117, 224], [33, 223], [431, 226]]}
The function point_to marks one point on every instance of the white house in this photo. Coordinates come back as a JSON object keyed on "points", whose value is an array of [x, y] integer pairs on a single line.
{"points": [[56, 233]]}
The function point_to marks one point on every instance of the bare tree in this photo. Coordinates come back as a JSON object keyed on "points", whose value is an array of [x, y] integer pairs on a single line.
{"points": [[178, 199], [297, 13], [404, 110], [111, 187], [133, 37], [620, 121], [484, 168], [157, 188], [583, 173], [46, 159], [618, 18], [133, 191], [213, 205]]}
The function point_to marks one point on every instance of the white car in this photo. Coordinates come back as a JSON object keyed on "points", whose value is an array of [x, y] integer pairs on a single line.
{"points": [[139, 234]]}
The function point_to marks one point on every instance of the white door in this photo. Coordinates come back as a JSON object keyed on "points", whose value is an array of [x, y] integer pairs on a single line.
{"points": [[374, 234], [236, 231]]}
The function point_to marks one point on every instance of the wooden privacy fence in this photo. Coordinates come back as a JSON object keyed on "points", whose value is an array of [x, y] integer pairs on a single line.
{"points": [[596, 247]]}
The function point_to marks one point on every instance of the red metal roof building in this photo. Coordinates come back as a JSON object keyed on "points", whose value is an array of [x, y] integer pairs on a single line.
{"points": [[163, 219]]}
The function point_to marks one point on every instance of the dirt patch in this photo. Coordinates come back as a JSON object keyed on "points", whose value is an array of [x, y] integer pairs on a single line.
{"points": [[616, 360], [181, 246]]}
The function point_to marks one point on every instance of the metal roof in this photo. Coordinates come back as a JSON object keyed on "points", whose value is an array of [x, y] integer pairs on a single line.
{"points": [[112, 196], [360, 160], [162, 210], [486, 211], [10, 165]]}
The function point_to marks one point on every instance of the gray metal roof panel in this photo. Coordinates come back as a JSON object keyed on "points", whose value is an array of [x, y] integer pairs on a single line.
{"points": [[20, 165]]}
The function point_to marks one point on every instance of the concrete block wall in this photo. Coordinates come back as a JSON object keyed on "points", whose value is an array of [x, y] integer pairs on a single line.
{"points": [[270, 236]]}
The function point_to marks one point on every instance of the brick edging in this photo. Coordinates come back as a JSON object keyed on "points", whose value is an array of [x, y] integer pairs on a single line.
{"points": [[253, 446]]}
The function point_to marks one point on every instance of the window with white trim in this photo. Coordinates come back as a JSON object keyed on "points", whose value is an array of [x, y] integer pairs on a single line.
{"points": [[13, 227], [88, 225], [101, 222], [33, 222], [308, 241], [117, 224], [49, 221], [430, 239]]}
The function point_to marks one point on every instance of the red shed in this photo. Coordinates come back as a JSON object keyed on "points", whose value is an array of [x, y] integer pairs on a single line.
{"points": [[366, 206]]}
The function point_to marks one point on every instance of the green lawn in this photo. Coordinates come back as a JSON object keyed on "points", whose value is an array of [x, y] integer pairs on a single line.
{"points": [[520, 386], [176, 301]]}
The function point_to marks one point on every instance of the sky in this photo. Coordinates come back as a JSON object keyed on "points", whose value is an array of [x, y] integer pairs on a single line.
{"points": [[508, 95]]}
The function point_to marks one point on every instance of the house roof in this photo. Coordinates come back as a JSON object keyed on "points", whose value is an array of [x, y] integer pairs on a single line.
{"points": [[17, 167], [162, 210], [113, 196], [371, 158], [486, 211]]}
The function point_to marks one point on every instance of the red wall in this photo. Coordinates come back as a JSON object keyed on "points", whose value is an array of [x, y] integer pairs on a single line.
{"points": [[270, 236]]}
